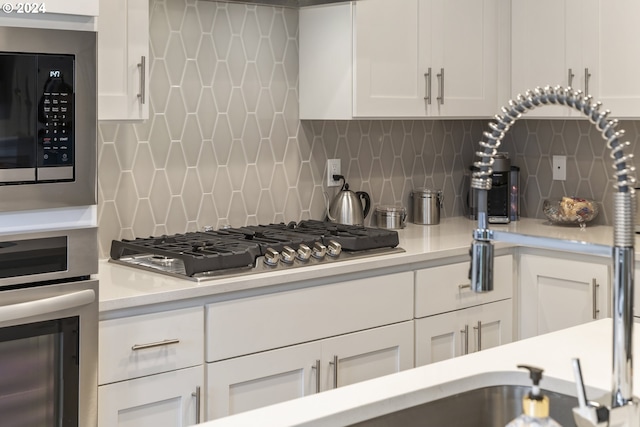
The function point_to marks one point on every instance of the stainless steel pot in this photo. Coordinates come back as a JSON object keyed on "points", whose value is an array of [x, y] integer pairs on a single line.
{"points": [[426, 206], [393, 217]]}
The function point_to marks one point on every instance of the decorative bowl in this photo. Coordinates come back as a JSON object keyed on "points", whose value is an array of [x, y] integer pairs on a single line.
{"points": [[570, 210]]}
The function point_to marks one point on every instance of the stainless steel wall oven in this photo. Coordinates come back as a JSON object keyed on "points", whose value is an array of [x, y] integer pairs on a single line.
{"points": [[49, 328]]}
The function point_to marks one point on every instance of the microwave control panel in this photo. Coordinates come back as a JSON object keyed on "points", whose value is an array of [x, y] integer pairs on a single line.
{"points": [[55, 115]]}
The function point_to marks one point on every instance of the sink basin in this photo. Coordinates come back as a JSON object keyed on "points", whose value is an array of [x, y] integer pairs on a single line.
{"points": [[481, 407]]}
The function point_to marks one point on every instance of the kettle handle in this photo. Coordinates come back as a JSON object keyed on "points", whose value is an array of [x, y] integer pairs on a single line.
{"points": [[367, 201]]}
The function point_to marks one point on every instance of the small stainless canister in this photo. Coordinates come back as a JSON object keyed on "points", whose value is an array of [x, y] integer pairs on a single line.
{"points": [[426, 206], [392, 217]]}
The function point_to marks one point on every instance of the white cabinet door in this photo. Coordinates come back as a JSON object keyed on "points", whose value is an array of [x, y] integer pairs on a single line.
{"points": [[452, 334], [616, 83], [70, 7], [543, 49], [261, 379], [123, 53], [464, 61], [558, 293], [250, 382], [392, 51], [409, 58], [368, 354], [426, 58], [163, 400]]}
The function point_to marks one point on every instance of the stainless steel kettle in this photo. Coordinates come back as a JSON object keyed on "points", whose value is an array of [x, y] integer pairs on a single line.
{"points": [[346, 207]]}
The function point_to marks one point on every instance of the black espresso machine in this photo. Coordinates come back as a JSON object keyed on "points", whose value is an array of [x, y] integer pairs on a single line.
{"points": [[503, 198]]}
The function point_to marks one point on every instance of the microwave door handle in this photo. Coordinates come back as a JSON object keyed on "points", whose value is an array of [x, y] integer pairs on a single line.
{"points": [[39, 307]]}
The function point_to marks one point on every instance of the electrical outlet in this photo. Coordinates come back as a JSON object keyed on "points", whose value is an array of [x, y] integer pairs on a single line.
{"points": [[560, 168], [333, 168]]}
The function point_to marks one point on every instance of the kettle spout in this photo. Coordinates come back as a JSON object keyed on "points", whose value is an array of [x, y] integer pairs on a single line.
{"points": [[326, 200]]}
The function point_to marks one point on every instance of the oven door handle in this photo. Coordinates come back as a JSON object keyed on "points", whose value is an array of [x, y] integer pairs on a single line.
{"points": [[39, 307]]}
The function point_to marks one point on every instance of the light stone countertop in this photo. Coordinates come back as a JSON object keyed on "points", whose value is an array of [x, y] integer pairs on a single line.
{"points": [[552, 352], [123, 287]]}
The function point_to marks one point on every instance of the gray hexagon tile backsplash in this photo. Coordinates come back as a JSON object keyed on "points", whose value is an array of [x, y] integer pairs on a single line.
{"points": [[224, 145]]}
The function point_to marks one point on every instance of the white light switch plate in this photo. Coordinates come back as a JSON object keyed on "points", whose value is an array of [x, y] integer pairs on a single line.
{"points": [[559, 168]]}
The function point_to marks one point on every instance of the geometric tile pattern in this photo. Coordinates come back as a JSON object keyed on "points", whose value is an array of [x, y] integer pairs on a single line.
{"points": [[532, 145], [224, 144]]}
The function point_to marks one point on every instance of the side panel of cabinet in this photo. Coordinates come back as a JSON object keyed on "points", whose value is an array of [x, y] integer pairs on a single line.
{"points": [[557, 293], [368, 354], [326, 62], [163, 400], [250, 382], [123, 42]]}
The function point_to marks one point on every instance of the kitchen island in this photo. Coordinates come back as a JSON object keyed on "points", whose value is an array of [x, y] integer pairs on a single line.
{"points": [[358, 402]]}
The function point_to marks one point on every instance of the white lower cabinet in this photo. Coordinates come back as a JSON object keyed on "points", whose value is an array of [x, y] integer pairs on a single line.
{"points": [[557, 293], [151, 370], [170, 399], [256, 380], [460, 332]]}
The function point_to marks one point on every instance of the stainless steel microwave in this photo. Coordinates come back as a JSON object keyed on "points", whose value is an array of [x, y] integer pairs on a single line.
{"points": [[48, 118]]}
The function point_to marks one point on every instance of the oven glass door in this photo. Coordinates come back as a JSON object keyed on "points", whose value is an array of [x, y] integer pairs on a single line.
{"points": [[39, 368]]}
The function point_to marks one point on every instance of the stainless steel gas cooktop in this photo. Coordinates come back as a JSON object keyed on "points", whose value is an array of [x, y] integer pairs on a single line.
{"points": [[228, 252]]}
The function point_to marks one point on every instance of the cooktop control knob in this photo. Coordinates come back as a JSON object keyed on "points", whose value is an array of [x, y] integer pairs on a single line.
{"points": [[271, 257], [319, 250], [304, 252], [287, 255], [334, 248]]}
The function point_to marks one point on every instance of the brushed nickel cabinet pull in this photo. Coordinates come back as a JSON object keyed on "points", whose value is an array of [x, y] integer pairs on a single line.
{"points": [[143, 92], [571, 76], [441, 86], [479, 333], [335, 371], [317, 368], [465, 343], [594, 290], [427, 78], [197, 394], [464, 286], [587, 75], [137, 347]]}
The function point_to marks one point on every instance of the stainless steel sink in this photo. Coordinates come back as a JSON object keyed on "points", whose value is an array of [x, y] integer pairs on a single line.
{"points": [[481, 407]]}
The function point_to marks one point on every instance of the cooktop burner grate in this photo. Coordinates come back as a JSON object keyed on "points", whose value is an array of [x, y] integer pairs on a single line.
{"points": [[238, 248]]}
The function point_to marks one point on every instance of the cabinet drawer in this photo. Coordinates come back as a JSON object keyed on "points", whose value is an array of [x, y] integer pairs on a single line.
{"points": [[444, 288], [137, 346], [250, 325]]}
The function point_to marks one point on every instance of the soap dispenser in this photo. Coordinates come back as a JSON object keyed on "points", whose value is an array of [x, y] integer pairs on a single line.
{"points": [[535, 405]]}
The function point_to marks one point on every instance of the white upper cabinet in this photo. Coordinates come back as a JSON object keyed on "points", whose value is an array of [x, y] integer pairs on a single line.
{"points": [[407, 58], [123, 53], [590, 45], [71, 7], [617, 49]]}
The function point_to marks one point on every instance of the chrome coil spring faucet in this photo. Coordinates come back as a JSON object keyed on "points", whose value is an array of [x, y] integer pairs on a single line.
{"points": [[624, 407]]}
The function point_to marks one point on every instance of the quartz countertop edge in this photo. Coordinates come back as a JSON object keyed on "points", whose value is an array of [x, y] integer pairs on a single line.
{"points": [[125, 287], [361, 401]]}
